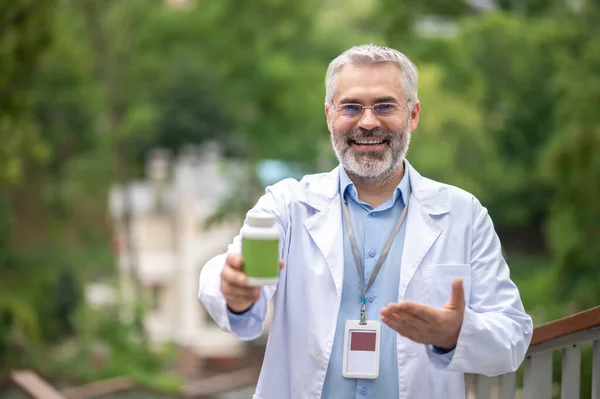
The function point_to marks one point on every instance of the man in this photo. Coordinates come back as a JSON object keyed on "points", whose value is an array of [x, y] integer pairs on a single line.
{"points": [[440, 302]]}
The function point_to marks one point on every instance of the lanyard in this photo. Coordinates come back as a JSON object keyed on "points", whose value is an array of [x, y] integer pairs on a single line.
{"points": [[384, 253]]}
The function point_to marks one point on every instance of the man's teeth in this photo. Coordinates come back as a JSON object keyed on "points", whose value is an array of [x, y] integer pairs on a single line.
{"points": [[368, 141]]}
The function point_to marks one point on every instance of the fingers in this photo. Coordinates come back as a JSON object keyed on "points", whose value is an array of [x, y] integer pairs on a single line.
{"points": [[408, 326], [425, 313], [234, 285], [457, 299], [240, 294], [235, 261], [396, 315], [424, 324], [232, 275], [403, 322]]}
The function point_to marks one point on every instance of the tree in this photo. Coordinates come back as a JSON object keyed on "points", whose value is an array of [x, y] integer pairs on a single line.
{"points": [[504, 64], [571, 163], [25, 32]]}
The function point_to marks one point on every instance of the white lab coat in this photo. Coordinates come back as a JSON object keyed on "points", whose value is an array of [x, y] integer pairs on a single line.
{"points": [[449, 234]]}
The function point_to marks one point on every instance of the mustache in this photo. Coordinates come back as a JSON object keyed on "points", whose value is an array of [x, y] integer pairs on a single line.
{"points": [[361, 133]]}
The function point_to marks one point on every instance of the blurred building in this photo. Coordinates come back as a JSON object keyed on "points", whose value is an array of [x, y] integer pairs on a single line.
{"points": [[168, 243]]}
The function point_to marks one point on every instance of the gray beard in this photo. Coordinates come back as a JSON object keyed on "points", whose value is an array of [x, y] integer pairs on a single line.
{"points": [[372, 166]]}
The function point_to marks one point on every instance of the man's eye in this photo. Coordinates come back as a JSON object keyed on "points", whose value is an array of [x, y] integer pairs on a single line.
{"points": [[351, 108], [385, 107]]}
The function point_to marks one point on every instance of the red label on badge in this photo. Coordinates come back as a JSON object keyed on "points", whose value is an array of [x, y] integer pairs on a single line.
{"points": [[363, 341]]}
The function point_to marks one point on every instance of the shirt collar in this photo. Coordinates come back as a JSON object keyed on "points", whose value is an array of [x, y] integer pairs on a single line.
{"points": [[348, 189]]}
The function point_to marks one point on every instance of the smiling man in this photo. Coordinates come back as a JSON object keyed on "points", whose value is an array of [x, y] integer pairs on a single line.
{"points": [[393, 285]]}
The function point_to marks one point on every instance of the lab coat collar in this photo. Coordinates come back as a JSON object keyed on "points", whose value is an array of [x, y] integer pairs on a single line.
{"points": [[321, 192], [432, 196]]}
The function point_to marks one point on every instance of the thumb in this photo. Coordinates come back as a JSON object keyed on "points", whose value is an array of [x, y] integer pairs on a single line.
{"points": [[457, 300]]}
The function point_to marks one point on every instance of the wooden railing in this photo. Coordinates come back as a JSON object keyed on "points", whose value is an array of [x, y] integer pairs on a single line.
{"points": [[35, 387], [567, 335], [32, 385]]}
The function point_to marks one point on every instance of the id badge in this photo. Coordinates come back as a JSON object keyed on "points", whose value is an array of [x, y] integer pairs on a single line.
{"points": [[361, 349]]}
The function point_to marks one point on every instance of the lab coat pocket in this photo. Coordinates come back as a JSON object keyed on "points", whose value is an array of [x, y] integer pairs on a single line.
{"points": [[438, 282]]}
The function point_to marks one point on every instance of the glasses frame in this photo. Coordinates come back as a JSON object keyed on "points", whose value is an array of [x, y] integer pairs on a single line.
{"points": [[371, 107]]}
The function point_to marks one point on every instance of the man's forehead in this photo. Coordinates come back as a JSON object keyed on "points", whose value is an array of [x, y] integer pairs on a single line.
{"points": [[369, 81]]}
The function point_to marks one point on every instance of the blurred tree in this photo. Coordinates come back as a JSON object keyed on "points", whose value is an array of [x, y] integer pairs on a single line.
{"points": [[398, 22], [5, 333], [64, 103], [68, 297], [5, 263], [450, 144], [57, 297], [188, 107], [498, 65], [571, 163], [25, 31], [6, 226], [122, 109], [271, 67], [532, 8], [504, 64]]}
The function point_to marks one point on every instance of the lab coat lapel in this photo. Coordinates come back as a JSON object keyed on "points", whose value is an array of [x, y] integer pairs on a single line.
{"points": [[325, 226], [421, 229]]}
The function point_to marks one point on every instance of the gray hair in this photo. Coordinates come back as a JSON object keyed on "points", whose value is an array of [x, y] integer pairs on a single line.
{"points": [[369, 54]]}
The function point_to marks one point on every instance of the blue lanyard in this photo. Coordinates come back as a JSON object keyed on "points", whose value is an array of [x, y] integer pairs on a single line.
{"points": [[384, 253]]}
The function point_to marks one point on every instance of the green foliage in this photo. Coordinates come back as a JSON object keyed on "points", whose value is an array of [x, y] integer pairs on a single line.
{"points": [[108, 346], [532, 8], [6, 226], [19, 328], [501, 65], [67, 296], [25, 31], [573, 166], [272, 78], [450, 144], [398, 22]]}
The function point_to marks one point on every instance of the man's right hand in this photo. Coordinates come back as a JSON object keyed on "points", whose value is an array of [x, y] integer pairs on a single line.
{"points": [[234, 285]]}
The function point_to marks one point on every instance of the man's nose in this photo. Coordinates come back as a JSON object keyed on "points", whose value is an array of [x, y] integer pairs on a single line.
{"points": [[369, 120]]}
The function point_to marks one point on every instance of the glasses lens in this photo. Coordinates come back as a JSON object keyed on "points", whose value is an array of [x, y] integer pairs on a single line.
{"points": [[384, 109], [351, 110]]}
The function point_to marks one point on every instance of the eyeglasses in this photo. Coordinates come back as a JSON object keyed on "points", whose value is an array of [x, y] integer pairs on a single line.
{"points": [[383, 110]]}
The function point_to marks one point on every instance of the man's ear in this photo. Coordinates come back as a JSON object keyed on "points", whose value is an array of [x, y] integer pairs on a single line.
{"points": [[414, 116], [328, 117]]}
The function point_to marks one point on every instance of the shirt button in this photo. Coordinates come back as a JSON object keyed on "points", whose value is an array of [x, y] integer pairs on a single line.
{"points": [[370, 298], [363, 390], [317, 353], [371, 253]]}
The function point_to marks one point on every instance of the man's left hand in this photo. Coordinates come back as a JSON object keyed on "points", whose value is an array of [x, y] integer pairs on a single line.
{"points": [[428, 325]]}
